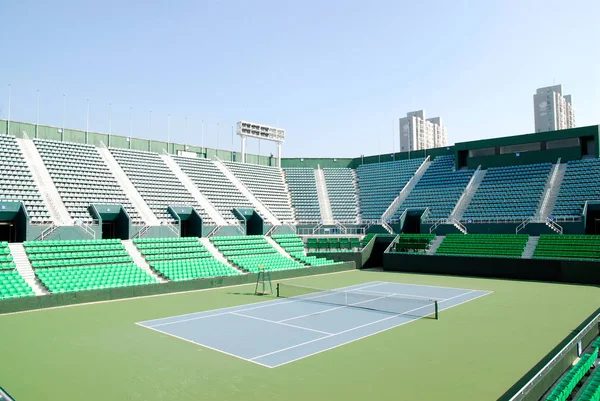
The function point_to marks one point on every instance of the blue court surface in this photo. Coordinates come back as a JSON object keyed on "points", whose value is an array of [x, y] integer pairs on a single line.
{"points": [[308, 322]]}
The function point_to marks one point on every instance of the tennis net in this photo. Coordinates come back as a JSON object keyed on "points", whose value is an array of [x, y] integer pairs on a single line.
{"points": [[378, 301]]}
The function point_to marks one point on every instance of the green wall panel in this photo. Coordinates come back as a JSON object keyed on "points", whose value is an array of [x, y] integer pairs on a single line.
{"points": [[97, 139], [70, 135], [139, 144], [158, 147], [117, 141]]}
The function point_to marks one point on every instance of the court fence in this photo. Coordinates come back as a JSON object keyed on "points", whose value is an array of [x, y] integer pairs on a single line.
{"points": [[54, 300]]}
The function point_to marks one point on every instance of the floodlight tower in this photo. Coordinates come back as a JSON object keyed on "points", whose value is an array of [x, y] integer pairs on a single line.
{"points": [[246, 129]]}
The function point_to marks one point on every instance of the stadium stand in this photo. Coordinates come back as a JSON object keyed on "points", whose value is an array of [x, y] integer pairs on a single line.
{"points": [[342, 194], [512, 192], [568, 247], [496, 245], [366, 239], [333, 244], [155, 182], [413, 242], [180, 259], [439, 189], [16, 181], [591, 391], [250, 252], [303, 190], [267, 184], [580, 183], [214, 185], [12, 285], [562, 391], [82, 178], [380, 183], [80, 265], [294, 245]]}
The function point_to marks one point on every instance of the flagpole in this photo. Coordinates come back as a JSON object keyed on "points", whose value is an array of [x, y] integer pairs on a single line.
{"points": [[37, 114], [8, 121]]}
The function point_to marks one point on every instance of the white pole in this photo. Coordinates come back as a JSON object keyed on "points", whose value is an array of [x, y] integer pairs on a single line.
{"points": [[8, 123], [130, 122], [279, 154], [64, 111], [37, 113], [87, 116], [185, 133], [110, 119], [217, 140], [169, 130], [150, 129], [202, 135], [243, 149]]}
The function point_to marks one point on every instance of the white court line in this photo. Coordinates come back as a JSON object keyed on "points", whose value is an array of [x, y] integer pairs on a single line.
{"points": [[355, 328], [275, 302], [205, 346], [372, 334], [282, 324], [432, 286], [343, 306], [360, 290], [164, 295]]}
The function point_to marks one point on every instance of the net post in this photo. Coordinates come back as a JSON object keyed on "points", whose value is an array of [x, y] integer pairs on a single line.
{"points": [[277, 290], [435, 303]]}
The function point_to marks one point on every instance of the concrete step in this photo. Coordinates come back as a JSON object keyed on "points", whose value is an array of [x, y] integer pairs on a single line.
{"points": [[58, 212], [217, 254], [465, 199], [435, 244], [194, 191], [139, 260], [278, 247], [24, 268], [530, 247], [396, 205], [131, 192], [323, 195], [258, 205]]}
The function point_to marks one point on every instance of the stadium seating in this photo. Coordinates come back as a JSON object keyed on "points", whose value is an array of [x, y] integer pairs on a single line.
{"points": [[438, 189], [512, 192], [333, 244], [591, 391], [580, 183], [250, 252], [81, 178], [294, 245], [12, 284], [413, 242], [80, 265], [342, 194], [567, 384], [213, 184], [569, 247], [380, 183], [481, 245], [266, 183], [16, 181], [156, 183], [180, 259], [366, 239], [303, 190]]}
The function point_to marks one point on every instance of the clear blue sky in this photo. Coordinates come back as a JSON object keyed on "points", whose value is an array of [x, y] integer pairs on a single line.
{"points": [[335, 74]]}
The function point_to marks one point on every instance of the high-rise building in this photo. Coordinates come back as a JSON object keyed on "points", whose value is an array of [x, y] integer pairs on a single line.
{"points": [[552, 111], [418, 132]]}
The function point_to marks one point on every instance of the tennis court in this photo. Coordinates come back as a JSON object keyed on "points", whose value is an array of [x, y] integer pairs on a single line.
{"points": [[305, 321]]}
